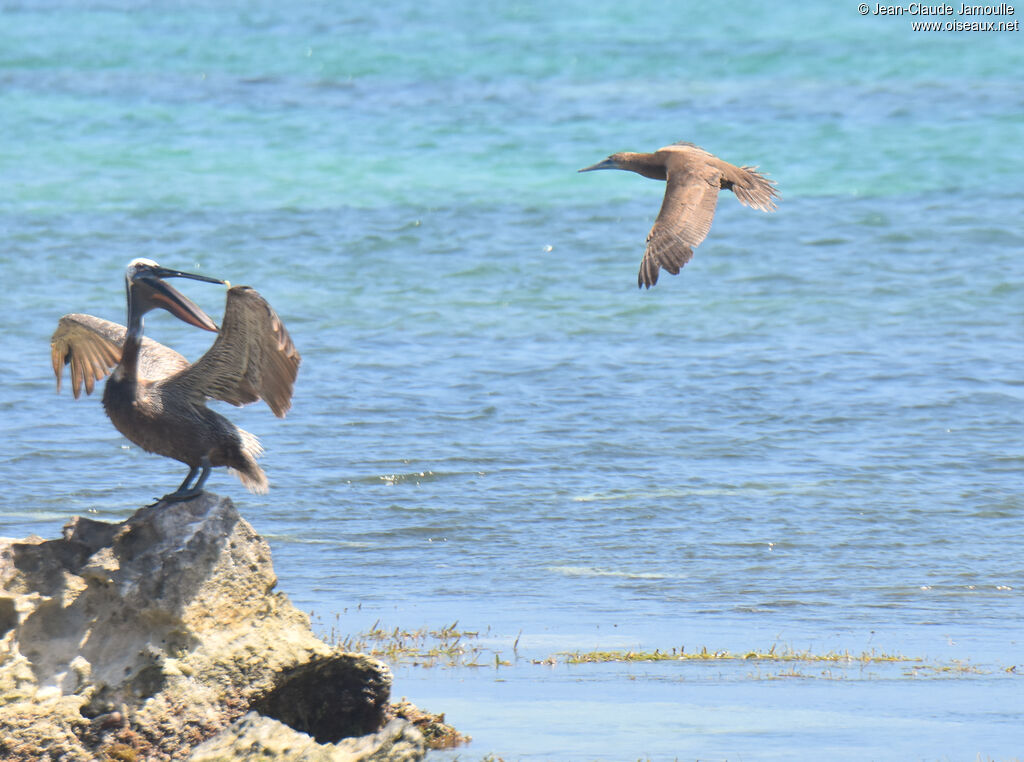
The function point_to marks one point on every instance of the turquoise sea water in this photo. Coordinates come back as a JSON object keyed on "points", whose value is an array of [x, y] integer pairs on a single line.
{"points": [[812, 437]]}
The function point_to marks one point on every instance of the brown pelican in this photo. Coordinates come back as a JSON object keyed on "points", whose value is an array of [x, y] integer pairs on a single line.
{"points": [[158, 400], [694, 177]]}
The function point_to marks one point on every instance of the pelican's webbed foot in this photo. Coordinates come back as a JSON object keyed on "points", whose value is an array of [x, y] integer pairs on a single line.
{"points": [[180, 496], [184, 492]]}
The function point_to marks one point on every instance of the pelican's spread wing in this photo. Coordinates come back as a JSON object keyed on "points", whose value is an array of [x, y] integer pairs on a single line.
{"points": [[92, 346], [686, 212], [252, 358]]}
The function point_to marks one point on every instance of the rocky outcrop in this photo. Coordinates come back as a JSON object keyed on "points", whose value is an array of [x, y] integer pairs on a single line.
{"points": [[258, 738], [161, 637]]}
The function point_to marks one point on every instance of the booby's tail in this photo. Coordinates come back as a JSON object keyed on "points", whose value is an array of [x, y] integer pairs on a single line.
{"points": [[752, 188]]}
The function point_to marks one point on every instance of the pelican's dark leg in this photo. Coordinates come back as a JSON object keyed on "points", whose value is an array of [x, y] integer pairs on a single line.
{"points": [[184, 492], [205, 463], [184, 484]]}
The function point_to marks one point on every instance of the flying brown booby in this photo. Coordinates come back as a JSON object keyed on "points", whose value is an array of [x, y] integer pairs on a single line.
{"points": [[693, 178], [158, 400]]}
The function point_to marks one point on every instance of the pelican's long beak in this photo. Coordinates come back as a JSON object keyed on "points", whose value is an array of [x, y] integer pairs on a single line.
{"points": [[166, 272], [608, 163], [155, 292]]}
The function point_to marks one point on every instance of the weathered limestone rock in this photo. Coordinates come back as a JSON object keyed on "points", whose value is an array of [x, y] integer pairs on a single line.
{"points": [[256, 737], [145, 638]]}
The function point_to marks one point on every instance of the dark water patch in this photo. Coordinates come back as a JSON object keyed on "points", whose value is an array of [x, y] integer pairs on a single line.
{"points": [[827, 242]]}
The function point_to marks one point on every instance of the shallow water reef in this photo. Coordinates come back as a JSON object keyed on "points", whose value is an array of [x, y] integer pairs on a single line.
{"points": [[161, 637]]}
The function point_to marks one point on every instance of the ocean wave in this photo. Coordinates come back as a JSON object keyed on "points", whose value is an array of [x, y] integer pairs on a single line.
{"points": [[592, 571]]}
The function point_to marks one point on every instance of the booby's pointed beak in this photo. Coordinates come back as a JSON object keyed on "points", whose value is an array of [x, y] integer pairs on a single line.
{"points": [[608, 163], [155, 292]]}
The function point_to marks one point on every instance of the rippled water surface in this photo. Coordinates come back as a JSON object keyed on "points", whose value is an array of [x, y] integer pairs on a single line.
{"points": [[812, 437]]}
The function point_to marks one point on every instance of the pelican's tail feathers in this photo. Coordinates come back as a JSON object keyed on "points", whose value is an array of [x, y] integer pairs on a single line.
{"points": [[246, 468]]}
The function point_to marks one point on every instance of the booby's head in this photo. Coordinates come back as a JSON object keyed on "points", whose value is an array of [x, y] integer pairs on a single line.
{"points": [[615, 161], [147, 290]]}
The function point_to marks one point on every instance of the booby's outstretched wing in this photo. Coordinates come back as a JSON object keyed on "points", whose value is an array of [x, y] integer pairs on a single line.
{"points": [[253, 357], [92, 346], [685, 218]]}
